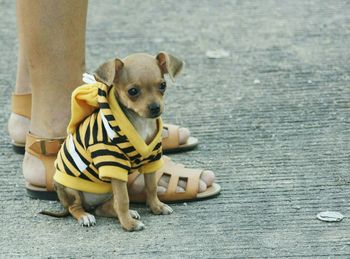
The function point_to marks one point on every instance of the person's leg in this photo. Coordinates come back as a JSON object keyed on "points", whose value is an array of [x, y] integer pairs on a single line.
{"points": [[19, 124], [54, 42], [23, 84]]}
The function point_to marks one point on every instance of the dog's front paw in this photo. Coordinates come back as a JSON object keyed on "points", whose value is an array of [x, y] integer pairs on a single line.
{"points": [[161, 209], [134, 214], [133, 225], [87, 220]]}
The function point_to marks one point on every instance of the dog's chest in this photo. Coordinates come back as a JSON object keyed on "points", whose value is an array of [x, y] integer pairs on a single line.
{"points": [[146, 128]]}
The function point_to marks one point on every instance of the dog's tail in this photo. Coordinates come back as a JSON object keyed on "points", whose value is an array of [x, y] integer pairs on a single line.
{"points": [[62, 214]]}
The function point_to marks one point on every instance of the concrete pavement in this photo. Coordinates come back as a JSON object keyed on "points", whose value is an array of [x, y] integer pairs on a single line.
{"points": [[272, 118]]}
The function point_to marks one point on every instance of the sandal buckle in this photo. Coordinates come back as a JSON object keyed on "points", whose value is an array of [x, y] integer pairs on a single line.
{"points": [[50, 142]]}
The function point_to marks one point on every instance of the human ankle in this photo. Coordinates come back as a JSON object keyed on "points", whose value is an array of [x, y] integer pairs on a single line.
{"points": [[49, 127]]}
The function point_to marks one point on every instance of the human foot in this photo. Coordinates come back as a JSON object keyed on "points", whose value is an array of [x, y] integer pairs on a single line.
{"points": [[177, 139], [185, 180]]}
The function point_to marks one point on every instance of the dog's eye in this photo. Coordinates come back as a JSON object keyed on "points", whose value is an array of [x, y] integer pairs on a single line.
{"points": [[162, 87], [133, 92]]}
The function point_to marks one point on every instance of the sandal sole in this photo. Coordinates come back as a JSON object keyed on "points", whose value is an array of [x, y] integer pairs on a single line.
{"points": [[213, 191], [40, 193], [19, 148]]}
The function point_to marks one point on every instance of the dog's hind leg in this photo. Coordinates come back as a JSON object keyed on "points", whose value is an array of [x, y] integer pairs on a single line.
{"points": [[76, 209]]}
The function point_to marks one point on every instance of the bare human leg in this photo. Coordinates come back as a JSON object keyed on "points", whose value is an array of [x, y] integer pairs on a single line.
{"points": [[19, 124], [54, 43]]}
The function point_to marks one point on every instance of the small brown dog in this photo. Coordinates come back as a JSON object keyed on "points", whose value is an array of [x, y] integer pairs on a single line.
{"points": [[122, 135]]}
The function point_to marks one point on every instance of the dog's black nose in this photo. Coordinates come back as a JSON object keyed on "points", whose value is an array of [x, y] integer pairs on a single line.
{"points": [[154, 108]]}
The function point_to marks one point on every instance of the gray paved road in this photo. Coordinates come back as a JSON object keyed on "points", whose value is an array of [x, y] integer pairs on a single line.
{"points": [[273, 120]]}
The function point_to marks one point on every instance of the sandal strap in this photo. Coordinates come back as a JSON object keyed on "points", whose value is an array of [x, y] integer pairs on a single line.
{"points": [[170, 136], [44, 146], [178, 171], [46, 150], [22, 104]]}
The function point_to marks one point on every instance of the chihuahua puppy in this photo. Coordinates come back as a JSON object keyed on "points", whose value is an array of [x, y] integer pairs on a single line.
{"points": [[123, 135]]}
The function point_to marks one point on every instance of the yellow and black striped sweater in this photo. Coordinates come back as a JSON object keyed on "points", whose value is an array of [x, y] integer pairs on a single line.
{"points": [[104, 145]]}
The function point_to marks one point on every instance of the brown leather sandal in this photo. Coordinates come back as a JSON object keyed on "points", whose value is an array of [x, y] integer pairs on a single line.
{"points": [[176, 172], [46, 150], [21, 105], [170, 141]]}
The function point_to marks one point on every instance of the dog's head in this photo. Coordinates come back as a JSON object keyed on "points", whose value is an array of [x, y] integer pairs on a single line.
{"points": [[139, 80]]}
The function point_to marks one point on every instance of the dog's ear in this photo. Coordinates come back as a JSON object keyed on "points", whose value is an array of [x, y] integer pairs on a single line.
{"points": [[109, 71], [169, 64]]}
